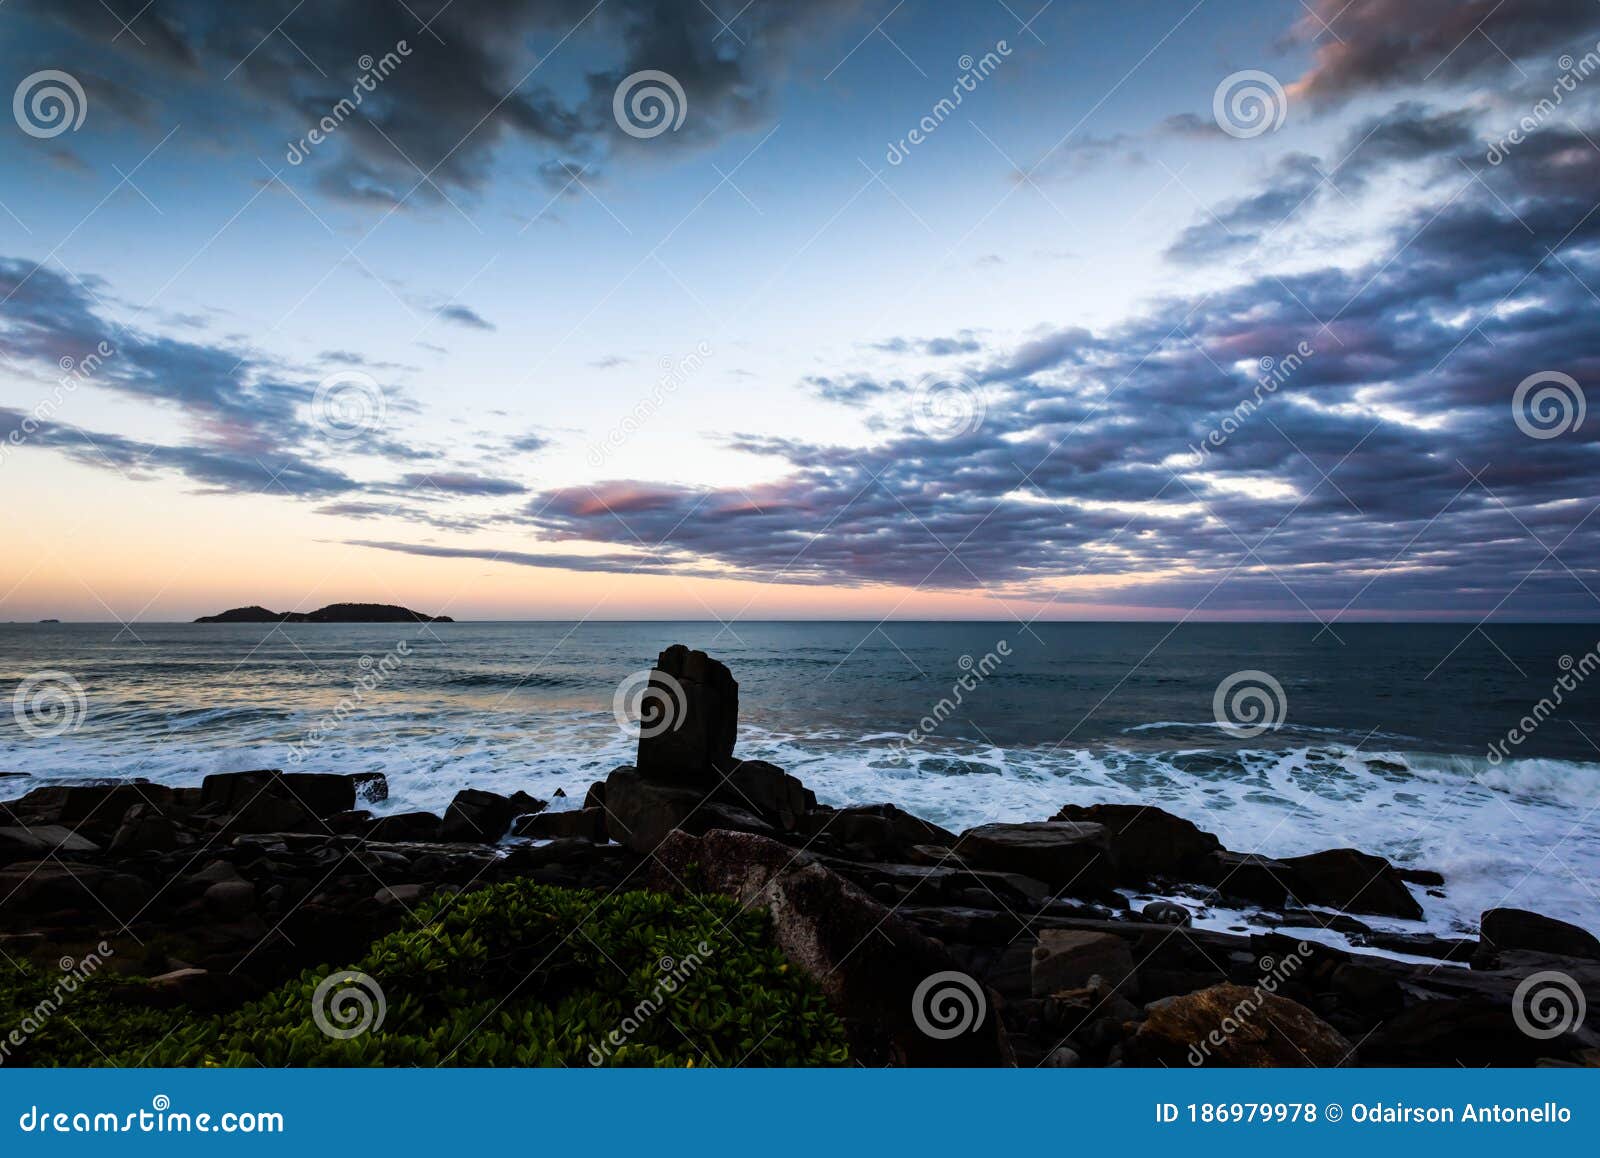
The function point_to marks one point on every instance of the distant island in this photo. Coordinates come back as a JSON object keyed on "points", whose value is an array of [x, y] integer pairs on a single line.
{"points": [[333, 613]]}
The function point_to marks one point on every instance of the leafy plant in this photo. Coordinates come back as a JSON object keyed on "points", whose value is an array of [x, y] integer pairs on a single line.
{"points": [[519, 974]]}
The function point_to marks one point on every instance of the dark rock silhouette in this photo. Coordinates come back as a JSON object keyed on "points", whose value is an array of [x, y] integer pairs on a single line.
{"points": [[333, 613]]}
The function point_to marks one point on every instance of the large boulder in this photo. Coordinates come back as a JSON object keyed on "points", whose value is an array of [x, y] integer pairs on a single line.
{"points": [[879, 832], [318, 793], [1231, 1025], [405, 826], [80, 805], [1246, 876], [476, 815], [904, 1000], [641, 810], [1354, 881], [766, 790], [690, 711], [1520, 930], [1066, 855], [588, 823], [1145, 841]]}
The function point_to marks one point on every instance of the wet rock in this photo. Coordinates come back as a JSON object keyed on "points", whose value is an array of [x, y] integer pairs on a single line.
{"points": [[1247, 877], [1146, 842], [318, 793], [1425, 877], [588, 823], [1518, 929], [1166, 913], [270, 812], [887, 981], [99, 805], [1068, 959], [476, 815], [1355, 881], [1420, 945], [1065, 855], [1230, 1025], [691, 710], [370, 787], [640, 811]]}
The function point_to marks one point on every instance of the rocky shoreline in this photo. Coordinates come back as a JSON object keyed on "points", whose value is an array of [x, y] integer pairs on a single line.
{"points": [[1058, 942]]}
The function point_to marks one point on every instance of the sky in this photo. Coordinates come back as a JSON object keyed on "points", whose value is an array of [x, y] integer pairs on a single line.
{"points": [[688, 309]]}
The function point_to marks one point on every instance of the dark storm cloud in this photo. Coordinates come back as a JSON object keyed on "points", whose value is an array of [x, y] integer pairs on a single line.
{"points": [[460, 79], [1383, 43]]}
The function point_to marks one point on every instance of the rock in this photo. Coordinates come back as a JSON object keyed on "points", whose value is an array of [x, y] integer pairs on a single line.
{"points": [[51, 886], [641, 810], [356, 822], [766, 790], [1355, 881], [32, 842], [1421, 945], [876, 831], [1247, 877], [145, 828], [1062, 1058], [1518, 929], [1167, 913], [1466, 1032], [318, 793], [691, 710], [1230, 1025], [1425, 877], [197, 989], [1068, 959], [403, 895], [596, 796], [868, 962], [588, 823], [371, 787], [1065, 855], [269, 812], [231, 899], [99, 806], [404, 826], [1146, 841], [476, 815]]}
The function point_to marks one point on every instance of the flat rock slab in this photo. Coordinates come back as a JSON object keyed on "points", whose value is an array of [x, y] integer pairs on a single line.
{"points": [[1066, 855], [1068, 959]]}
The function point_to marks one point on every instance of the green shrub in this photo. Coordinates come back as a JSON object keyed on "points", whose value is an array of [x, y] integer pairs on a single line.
{"points": [[518, 974]]}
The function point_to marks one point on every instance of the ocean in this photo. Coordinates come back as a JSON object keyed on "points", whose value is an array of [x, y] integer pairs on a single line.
{"points": [[1392, 738]]}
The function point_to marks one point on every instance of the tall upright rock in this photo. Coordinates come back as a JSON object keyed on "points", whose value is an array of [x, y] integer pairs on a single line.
{"points": [[690, 714]]}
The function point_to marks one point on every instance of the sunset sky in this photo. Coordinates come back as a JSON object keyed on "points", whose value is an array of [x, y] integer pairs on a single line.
{"points": [[482, 351]]}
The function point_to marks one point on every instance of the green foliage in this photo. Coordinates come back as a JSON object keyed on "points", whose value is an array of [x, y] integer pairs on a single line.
{"points": [[518, 974]]}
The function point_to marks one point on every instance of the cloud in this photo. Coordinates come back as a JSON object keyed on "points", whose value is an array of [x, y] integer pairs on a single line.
{"points": [[1381, 44], [459, 84], [462, 483], [464, 316]]}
